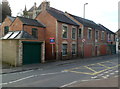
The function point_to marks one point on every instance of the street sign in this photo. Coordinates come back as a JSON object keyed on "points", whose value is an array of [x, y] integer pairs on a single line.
{"points": [[52, 40], [83, 40]]}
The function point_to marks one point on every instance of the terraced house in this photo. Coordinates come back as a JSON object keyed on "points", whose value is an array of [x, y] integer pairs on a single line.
{"points": [[70, 39]]}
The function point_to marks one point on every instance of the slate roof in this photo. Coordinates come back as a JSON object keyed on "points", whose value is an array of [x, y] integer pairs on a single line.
{"points": [[11, 18], [32, 22], [31, 9], [106, 29], [18, 35], [85, 22], [60, 16]]}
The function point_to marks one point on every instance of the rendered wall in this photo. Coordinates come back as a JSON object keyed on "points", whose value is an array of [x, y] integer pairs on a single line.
{"points": [[10, 51]]}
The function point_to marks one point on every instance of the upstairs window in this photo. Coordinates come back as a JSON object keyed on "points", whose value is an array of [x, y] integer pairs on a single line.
{"points": [[64, 31], [73, 33], [80, 33], [96, 35], [89, 33], [102, 35], [35, 32], [6, 30]]}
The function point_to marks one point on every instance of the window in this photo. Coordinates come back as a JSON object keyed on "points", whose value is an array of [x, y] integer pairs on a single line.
{"points": [[73, 49], [109, 37], [6, 30], [64, 31], [73, 33], [80, 33], [35, 32], [89, 33], [64, 49], [96, 35], [102, 35]]}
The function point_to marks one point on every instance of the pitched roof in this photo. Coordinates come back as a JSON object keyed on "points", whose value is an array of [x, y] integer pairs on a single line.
{"points": [[60, 16], [32, 22], [106, 29], [11, 18], [31, 9], [85, 22]]}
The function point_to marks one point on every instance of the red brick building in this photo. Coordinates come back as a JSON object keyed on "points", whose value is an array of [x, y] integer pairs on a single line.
{"points": [[62, 29], [73, 35], [6, 24], [92, 38]]}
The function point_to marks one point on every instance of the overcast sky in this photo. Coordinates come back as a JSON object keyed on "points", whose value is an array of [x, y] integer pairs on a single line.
{"points": [[100, 11]]}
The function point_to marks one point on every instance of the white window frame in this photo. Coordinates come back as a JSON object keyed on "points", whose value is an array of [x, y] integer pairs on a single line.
{"points": [[75, 48], [62, 49], [88, 33], [96, 35], [102, 35], [62, 31], [72, 33]]}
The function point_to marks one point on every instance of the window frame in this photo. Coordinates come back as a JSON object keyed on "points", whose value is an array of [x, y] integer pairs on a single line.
{"points": [[74, 33], [80, 35], [36, 32], [6, 30], [89, 36], [74, 49], [96, 35], [63, 25], [65, 49], [103, 35]]}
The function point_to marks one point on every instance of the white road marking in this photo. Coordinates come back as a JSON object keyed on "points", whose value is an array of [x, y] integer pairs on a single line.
{"points": [[100, 74], [30, 77], [21, 79], [94, 77], [51, 73], [116, 71], [69, 84], [104, 77], [85, 80], [112, 73], [116, 76], [106, 72], [110, 70], [25, 71], [3, 83]]}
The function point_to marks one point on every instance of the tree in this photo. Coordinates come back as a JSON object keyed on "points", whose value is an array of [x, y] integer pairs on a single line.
{"points": [[6, 10]]}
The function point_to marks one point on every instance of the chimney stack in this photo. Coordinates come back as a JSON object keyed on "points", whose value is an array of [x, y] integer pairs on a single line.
{"points": [[45, 5]]}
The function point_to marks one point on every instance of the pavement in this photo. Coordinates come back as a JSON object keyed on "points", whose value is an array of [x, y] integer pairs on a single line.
{"points": [[10, 69]]}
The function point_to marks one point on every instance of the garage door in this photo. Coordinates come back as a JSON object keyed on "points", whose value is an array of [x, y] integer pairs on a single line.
{"points": [[31, 52]]}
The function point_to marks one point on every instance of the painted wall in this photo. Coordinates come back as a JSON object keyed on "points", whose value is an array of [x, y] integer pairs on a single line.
{"points": [[10, 51]]}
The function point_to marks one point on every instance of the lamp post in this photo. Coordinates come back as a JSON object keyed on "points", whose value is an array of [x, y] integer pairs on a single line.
{"points": [[84, 10], [83, 29]]}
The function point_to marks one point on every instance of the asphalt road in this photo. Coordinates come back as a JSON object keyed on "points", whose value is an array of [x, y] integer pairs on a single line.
{"points": [[65, 75]]}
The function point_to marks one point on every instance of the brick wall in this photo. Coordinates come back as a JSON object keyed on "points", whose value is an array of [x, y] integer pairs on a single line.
{"points": [[50, 23], [7, 22]]}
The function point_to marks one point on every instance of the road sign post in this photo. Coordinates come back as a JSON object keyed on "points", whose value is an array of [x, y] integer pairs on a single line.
{"points": [[52, 42], [83, 40]]}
